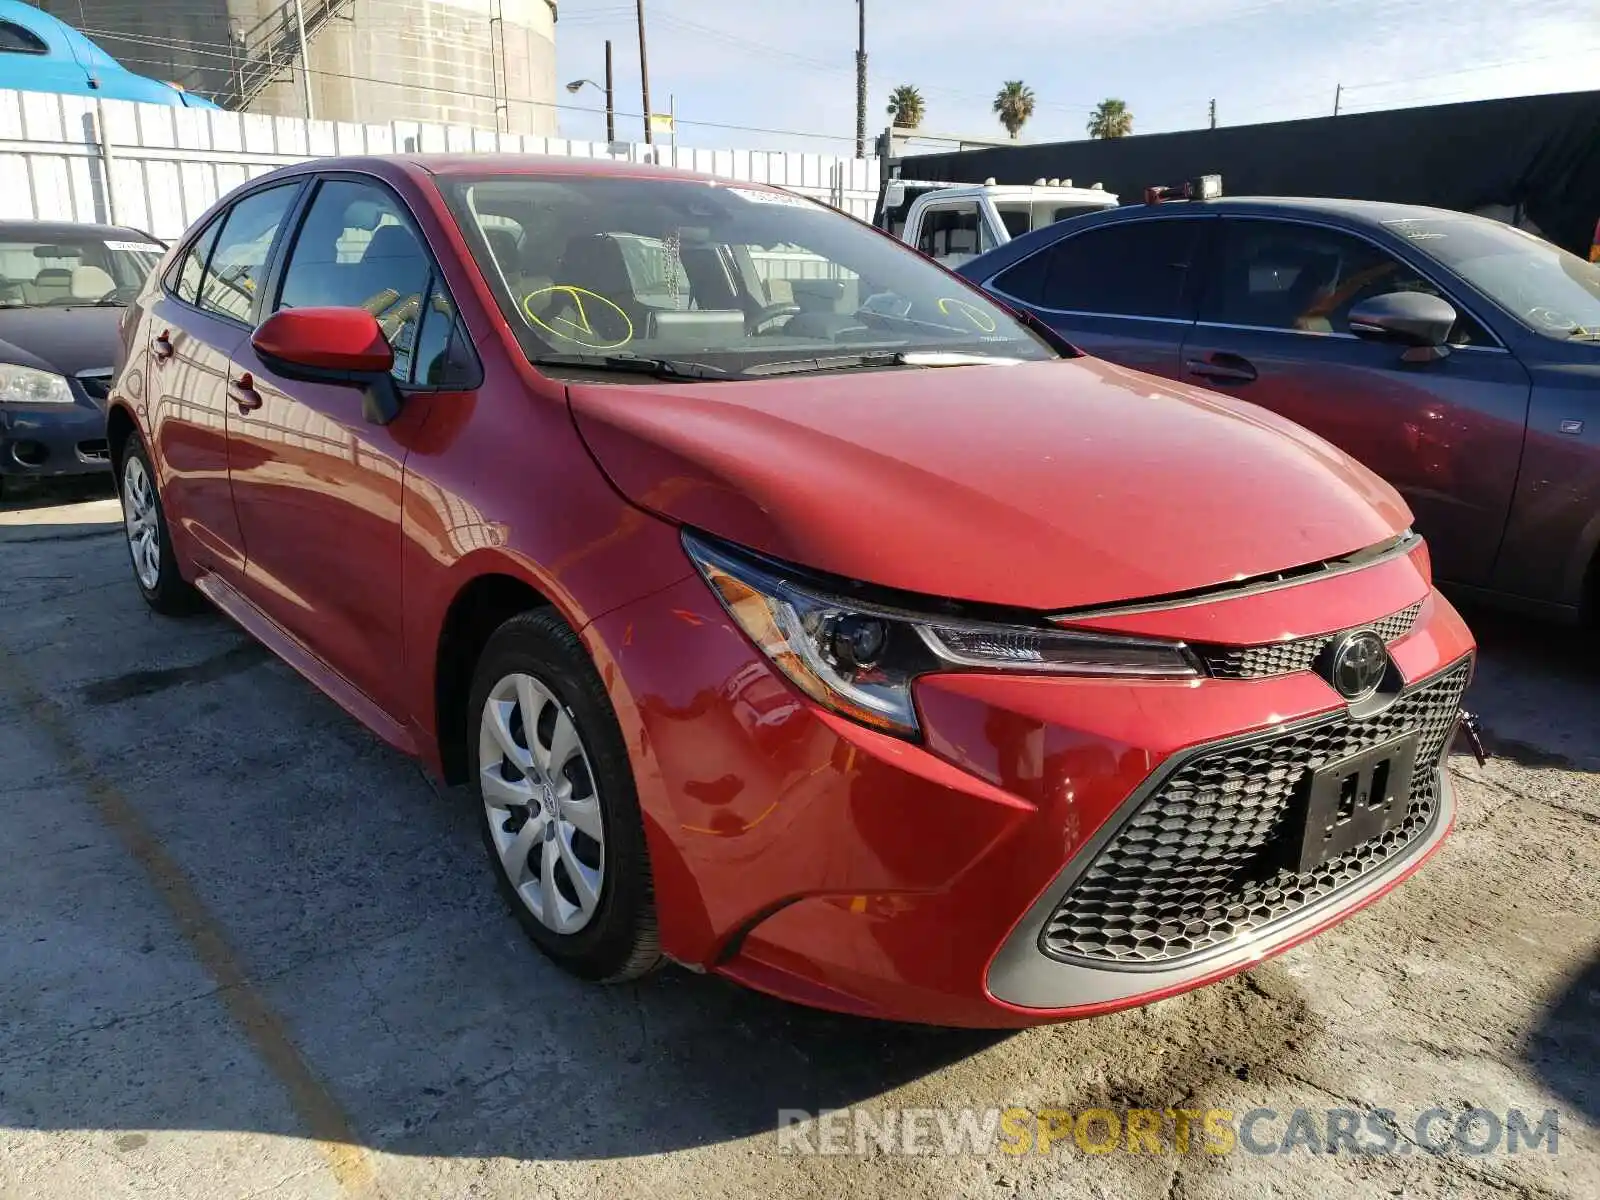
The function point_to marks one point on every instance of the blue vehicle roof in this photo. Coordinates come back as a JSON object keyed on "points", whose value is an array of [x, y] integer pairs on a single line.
{"points": [[74, 65]]}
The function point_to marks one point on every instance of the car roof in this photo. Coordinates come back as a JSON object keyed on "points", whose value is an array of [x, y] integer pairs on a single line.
{"points": [[1364, 212], [47, 231], [502, 164]]}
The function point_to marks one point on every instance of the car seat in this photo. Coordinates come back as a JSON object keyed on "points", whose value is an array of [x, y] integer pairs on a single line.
{"points": [[52, 284], [91, 283]]}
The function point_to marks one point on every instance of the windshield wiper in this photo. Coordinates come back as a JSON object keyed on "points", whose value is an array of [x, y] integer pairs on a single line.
{"points": [[630, 364], [881, 358]]}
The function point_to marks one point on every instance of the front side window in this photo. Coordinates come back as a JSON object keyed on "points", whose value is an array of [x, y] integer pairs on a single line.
{"points": [[444, 357], [952, 234], [1552, 292], [1134, 269], [239, 261], [1281, 275], [357, 249], [726, 275], [76, 269], [191, 269]]}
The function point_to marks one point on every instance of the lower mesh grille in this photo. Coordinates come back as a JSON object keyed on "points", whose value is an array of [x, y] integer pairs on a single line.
{"points": [[1200, 861]]}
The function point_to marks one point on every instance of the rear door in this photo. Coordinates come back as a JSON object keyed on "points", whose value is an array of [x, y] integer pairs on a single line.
{"points": [[197, 320], [1274, 329], [1123, 291], [316, 486]]}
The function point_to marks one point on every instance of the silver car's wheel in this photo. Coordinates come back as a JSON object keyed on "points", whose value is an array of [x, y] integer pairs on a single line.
{"points": [[540, 800], [143, 523]]}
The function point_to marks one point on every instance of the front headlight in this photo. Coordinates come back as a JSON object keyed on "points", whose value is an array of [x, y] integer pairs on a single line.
{"points": [[860, 659], [26, 385]]}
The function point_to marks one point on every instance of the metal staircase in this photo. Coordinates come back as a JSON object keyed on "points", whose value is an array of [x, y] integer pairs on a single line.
{"points": [[272, 45]]}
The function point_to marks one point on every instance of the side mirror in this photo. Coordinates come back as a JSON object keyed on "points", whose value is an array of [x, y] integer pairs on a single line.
{"points": [[332, 345], [1413, 319]]}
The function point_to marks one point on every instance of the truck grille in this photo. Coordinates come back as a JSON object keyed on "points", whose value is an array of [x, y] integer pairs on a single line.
{"points": [[1201, 860], [1282, 658]]}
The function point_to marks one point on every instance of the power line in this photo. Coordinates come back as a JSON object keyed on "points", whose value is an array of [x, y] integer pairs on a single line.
{"points": [[237, 60]]}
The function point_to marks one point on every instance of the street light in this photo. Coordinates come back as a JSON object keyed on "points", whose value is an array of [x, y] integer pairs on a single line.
{"points": [[577, 85]]}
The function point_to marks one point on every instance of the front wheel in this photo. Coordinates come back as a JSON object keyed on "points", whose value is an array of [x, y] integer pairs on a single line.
{"points": [[155, 566], [560, 814]]}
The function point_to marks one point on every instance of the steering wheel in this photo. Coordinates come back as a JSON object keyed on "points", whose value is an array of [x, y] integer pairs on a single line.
{"points": [[770, 313]]}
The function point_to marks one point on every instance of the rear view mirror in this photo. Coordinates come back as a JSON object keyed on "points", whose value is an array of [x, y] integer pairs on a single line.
{"points": [[332, 345], [1413, 319]]}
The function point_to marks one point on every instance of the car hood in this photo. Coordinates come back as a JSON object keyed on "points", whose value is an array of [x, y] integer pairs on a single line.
{"points": [[61, 339], [1045, 486]]}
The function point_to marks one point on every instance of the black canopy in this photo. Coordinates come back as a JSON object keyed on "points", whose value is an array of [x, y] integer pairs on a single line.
{"points": [[1536, 155]]}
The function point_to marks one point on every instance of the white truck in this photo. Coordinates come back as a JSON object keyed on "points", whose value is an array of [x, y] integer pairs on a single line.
{"points": [[954, 222]]}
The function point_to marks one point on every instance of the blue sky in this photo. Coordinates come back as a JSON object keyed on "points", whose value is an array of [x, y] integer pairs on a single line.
{"points": [[790, 66]]}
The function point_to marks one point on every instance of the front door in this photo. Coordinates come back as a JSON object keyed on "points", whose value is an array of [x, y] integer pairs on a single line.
{"points": [[316, 486], [192, 328], [1274, 330]]}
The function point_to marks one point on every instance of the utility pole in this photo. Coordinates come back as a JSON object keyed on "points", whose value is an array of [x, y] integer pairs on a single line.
{"points": [[1213, 114], [1338, 92], [644, 76], [305, 60], [611, 106], [861, 82]]}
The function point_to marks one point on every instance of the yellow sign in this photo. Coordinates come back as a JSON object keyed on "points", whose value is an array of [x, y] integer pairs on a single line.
{"points": [[586, 317], [980, 319], [661, 123]]}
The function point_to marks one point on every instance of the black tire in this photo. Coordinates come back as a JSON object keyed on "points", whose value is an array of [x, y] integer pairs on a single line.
{"points": [[172, 595], [620, 942]]}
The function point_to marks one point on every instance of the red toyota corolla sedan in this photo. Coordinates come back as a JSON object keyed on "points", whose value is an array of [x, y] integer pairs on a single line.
{"points": [[794, 612]]}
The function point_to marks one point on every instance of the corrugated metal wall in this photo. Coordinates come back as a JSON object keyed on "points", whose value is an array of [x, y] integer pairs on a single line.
{"points": [[159, 168]]}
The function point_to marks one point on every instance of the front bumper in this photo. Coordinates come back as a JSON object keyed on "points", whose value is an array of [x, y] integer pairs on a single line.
{"points": [[811, 858], [49, 440]]}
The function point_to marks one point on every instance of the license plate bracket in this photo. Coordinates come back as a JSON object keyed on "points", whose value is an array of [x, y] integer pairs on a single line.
{"points": [[1355, 799]]}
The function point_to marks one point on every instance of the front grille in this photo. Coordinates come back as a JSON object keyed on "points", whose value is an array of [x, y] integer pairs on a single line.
{"points": [[96, 384], [1281, 658], [1200, 861]]}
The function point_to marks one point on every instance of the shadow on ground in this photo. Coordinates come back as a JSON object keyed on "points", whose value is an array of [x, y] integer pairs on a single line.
{"points": [[1565, 1047]]}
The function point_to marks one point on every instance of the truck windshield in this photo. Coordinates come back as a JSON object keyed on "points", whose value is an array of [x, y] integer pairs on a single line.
{"points": [[726, 276], [1553, 292], [76, 270]]}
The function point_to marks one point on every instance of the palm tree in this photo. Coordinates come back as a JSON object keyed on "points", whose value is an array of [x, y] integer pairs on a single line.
{"points": [[1111, 119], [906, 107], [1014, 105]]}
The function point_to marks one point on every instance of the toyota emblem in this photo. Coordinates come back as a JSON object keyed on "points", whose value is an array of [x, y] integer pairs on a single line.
{"points": [[1357, 664]]}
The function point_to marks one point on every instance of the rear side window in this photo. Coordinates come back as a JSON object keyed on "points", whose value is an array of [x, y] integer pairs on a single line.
{"points": [[186, 280], [14, 39], [357, 249], [1134, 269]]}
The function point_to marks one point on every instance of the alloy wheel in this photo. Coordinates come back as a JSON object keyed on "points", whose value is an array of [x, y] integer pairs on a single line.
{"points": [[140, 515], [539, 796]]}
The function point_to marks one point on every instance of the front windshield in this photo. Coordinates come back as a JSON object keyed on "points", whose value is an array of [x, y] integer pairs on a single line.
{"points": [[80, 269], [1549, 290], [724, 275]]}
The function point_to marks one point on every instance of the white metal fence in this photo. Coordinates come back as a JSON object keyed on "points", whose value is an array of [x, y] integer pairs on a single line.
{"points": [[157, 168]]}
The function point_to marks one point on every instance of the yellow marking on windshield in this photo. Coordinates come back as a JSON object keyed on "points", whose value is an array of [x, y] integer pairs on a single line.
{"points": [[980, 319], [589, 319]]}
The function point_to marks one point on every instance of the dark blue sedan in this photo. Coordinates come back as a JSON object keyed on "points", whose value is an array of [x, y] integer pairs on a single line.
{"points": [[1456, 356]]}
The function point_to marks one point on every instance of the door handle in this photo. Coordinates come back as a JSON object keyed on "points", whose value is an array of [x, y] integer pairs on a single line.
{"points": [[1222, 368], [161, 346], [242, 391]]}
